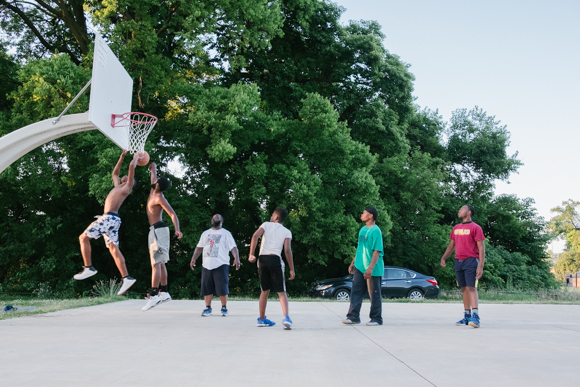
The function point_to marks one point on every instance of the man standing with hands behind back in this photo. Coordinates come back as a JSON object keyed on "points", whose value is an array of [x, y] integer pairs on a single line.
{"points": [[367, 269]]}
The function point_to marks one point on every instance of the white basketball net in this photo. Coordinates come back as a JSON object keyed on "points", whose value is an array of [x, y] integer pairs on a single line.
{"points": [[139, 126]]}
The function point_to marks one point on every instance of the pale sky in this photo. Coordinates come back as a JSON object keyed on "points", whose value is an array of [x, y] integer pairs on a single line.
{"points": [[517, 60]]}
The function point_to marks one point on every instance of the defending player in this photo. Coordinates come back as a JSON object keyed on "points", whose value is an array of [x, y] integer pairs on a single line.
{"points": [[275, 237], [467, 239], [159, 238], [107, 225]]}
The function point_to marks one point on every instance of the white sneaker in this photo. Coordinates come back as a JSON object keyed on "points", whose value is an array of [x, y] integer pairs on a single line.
{"points": [[348, 321], [152, 301], [127, 283], [86, 273], [164, 296]]}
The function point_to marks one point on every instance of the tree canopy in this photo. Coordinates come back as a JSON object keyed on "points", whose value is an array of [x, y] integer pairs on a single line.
{"points": [[260, 104]]}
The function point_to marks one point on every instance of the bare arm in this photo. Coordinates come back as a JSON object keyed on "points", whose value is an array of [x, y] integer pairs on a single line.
{"points": [[259, 232], [196, 254], [351, 267], [167, 207], [289, 257], [375, 258], [481, 247], [236, 255], [131, 174], [117, 169], [153, 169], [447, 252]]}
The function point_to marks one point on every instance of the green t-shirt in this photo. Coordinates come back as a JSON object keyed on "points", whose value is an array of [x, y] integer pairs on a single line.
{"points": [[369, 240]]}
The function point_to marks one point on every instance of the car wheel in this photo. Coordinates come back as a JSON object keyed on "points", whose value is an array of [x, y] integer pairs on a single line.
{"points": [[342, 295], [415, 294]]}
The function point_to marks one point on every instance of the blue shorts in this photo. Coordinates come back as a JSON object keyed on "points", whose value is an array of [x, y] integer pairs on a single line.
{"points": [[465, 271], [215, 281], [106, 225]]}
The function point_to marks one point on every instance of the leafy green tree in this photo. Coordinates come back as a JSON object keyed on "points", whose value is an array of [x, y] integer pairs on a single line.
{"points": [[261, 104]]}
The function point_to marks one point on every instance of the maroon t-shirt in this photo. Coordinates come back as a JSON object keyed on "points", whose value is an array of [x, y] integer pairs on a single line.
{"points": [[466, 236]]}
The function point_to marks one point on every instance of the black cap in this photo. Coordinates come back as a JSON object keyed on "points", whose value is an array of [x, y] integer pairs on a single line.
{"points": [[372, 210]]}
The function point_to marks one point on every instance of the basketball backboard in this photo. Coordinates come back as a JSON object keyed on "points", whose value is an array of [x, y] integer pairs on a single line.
{"points": [[111, 93]]}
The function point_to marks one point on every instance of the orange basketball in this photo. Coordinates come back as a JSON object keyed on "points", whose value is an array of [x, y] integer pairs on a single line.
{"points": [[144, 159]]}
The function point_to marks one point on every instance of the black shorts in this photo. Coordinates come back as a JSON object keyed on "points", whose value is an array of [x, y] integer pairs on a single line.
{"points": [[465, 271], [271, 270], [215, 281]]}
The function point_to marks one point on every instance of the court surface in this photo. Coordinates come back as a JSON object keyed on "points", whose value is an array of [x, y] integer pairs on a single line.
{"points": [[172, 345]]}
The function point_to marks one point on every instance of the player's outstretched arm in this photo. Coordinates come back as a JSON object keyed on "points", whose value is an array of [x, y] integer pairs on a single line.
{"points": [[131, 174], [153, 169], [117, 169], [259, 232], [289, 257], [447, 253], [167, 207]]}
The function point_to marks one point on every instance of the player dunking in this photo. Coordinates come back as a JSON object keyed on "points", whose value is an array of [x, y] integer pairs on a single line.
{"points": [[107, 225], [159, 238]]}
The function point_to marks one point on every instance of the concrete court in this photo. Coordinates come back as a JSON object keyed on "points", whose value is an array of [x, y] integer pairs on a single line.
{"points": [[172, 345]]}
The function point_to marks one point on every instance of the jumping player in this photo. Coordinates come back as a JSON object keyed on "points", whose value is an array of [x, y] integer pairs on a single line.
{"points": [[275, 237], [467, 239], [159, 238], [107, 225]]}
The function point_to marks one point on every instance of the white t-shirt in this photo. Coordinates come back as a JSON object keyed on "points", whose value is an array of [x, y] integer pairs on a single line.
{"points": [[273, 238], [217, 245]]}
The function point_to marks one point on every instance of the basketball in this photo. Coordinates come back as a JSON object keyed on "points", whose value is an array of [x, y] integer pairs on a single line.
{"points": [[144, 160]]}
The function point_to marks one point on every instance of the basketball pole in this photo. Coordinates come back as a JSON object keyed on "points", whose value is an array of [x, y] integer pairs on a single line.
{"points": [[19, 142]]}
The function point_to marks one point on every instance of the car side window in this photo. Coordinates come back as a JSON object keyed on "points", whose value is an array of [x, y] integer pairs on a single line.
{"points": [[410, 275], [396, 274]]}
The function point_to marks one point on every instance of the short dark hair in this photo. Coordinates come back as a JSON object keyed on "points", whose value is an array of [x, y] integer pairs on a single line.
{"points": [[164, 183], [373, 211], [471, 209], [282, 213]]}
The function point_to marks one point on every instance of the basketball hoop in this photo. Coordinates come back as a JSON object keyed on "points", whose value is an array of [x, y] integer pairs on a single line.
{"points": [[139, 126]]}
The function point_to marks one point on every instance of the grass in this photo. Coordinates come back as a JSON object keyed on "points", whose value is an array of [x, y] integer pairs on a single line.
{"points": [[103, 292], [25, 305]]}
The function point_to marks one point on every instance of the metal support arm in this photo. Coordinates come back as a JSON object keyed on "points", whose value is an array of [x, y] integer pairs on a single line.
{"points": [[16, 144]]}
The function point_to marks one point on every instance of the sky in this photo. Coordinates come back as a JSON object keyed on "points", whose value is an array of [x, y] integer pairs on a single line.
{"points": [[517, 60]]}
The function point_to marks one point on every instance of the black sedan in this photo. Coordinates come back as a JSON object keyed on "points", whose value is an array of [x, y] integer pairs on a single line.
{"points": [[397, 282]]}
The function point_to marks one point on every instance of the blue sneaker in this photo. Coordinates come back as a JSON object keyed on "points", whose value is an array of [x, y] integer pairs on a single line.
{"points": [[265, 322], [474, 321], [465, 320], [206, 312], [287, 323]]}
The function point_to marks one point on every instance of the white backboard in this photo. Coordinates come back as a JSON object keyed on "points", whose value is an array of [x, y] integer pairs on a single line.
{"points": [[111, 93]]}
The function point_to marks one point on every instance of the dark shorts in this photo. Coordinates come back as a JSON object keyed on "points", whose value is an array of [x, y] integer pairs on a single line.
{"points": [[465, 271], [271, 270], [215, 281]]}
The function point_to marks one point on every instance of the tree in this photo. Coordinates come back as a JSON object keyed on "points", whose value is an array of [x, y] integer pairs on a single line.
{"points": [[262, 104]]}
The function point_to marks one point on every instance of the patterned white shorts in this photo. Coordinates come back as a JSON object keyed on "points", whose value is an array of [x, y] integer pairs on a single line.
{"points": [[106, 225]]}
